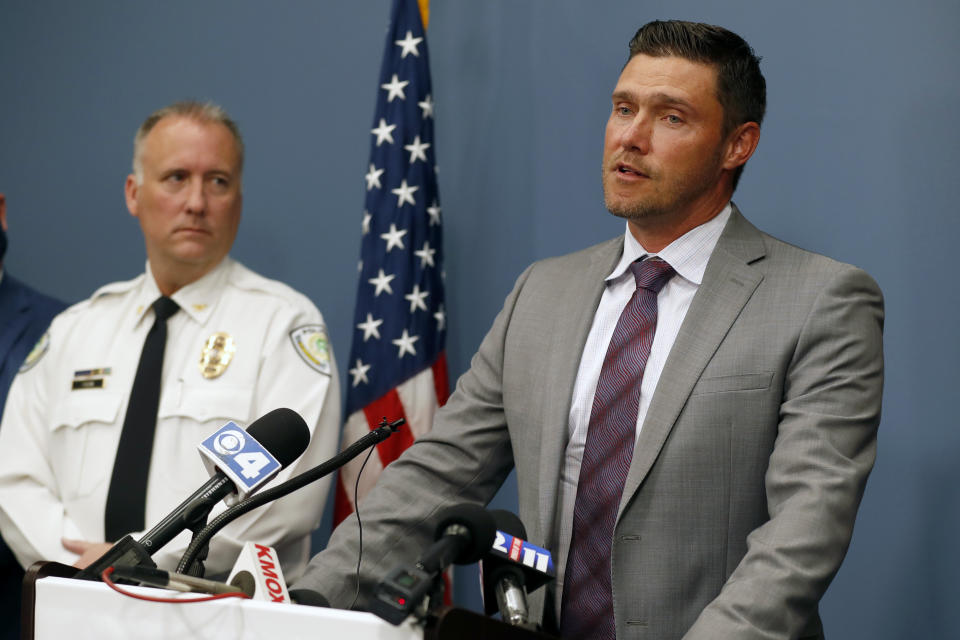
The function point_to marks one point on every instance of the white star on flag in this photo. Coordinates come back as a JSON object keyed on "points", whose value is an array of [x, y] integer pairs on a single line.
{"points": [[371, 327], [394, 237], [384, 132], [417, 150], [359, 373], [416, 298], [409, 45], [426, 255], [405, 344], [365, 225], [441, 317], [373, 177], [427, 106], [382, 283], [395, 88], [434, 212], [404, 193]]}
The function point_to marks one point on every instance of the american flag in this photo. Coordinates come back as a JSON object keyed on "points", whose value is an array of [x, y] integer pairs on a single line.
{"points": [[397, 362]]}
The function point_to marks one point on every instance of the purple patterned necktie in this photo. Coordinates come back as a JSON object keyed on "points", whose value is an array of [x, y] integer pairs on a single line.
{"points": [[587, 605]]}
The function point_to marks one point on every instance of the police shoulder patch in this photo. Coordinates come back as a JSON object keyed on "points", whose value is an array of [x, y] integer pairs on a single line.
{"points": [[313, 346], [43, 344]]}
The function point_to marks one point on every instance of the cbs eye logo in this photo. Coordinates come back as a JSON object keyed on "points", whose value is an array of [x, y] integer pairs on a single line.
{"points": [[229, 443]]}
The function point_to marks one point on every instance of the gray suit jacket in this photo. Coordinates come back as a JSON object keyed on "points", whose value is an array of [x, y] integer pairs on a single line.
{"points": [[745, 480]]}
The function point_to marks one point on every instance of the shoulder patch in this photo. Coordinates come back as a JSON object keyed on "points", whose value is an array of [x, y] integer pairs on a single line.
{"points": [[311, 343], [43, 344]]}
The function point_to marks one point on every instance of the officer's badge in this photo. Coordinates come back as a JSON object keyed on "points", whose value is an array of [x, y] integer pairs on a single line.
{"points": [[217, 354], [36, 353], [312, 344]]}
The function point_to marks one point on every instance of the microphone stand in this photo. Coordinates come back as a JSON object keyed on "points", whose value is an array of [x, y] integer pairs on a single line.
{"points": [[200, 540]]}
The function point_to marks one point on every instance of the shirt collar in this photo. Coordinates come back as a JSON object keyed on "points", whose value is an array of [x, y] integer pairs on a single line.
{"points": [[196, 299], [688, 254]]}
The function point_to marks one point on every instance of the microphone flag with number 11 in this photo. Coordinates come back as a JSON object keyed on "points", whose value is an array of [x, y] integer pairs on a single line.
{"points": [[398, 366]]}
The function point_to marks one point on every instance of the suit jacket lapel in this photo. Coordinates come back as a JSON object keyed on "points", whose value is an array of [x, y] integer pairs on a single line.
{"points": [[728, 283], [579, 304]]}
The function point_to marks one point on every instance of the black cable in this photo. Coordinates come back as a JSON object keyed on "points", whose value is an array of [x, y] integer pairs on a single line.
{"points": [[376, 436], [356, 509]]}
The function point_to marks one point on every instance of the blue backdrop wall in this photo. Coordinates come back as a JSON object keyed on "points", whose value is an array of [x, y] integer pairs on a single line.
{"points": [[855, 161]]}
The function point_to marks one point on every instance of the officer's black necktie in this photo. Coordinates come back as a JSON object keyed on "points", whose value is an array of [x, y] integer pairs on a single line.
{"points": [[127, 497]]}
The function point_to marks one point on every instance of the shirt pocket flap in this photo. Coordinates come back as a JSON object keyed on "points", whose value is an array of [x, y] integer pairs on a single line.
{"points": [[220, 403], [81, 407]]}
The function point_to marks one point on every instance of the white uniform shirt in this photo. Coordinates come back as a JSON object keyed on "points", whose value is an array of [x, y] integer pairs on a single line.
{"points": [[688, 255], [58, 442]]}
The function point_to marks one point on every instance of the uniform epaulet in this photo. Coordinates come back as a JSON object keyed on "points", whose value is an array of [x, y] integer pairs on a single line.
{"points": [[114, 288], [247, 280]]}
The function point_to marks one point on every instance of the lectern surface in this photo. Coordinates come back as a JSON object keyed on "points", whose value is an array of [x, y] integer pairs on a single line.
{"points": [[79, 610]]}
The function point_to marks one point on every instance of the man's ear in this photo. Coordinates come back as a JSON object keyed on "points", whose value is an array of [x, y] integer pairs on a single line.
{"points": [[741, 144], [130, 189]]}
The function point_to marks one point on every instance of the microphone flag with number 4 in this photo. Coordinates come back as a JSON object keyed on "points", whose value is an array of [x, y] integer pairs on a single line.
{"points": [[240, 457]]}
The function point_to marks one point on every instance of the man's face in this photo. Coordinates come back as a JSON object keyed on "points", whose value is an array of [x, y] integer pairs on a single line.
{"points": [[664, 149], [189, 201]]}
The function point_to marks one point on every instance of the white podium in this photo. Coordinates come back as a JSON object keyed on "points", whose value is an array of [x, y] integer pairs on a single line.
{"points": [[78, 609]]}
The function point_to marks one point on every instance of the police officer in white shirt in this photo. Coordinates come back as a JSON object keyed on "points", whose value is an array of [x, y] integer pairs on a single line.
{"points": [[238, 345]]}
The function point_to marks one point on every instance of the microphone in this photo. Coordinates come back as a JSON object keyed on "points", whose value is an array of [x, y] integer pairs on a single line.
{"points": [[177, 581], [258, 568], [281, 433], [511, 568], [463, 534], [201, 537]]}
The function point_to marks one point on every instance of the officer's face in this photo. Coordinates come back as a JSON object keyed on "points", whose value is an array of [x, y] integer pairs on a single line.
{"points": [[189, 201]]}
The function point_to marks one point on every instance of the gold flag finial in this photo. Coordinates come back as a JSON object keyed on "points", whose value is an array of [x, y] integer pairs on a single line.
{"points": [[424, 12]]}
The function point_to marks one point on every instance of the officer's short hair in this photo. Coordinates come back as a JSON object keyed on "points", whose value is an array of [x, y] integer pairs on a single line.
{"points": [[207, 112]]}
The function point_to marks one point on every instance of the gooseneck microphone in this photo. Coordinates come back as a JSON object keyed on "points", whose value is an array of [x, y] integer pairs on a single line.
{"points": [[381, 433], [463, 533], [281, 432]]}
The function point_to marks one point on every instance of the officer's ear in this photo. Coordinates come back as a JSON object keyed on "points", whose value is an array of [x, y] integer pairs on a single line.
{"points": [[130, 189]]}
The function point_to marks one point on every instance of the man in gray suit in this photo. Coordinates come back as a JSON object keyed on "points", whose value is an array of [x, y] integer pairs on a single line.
{"points": [[752, 401]]}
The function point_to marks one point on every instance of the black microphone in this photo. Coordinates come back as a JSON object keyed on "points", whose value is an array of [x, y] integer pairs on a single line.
{"points": [[178, 581], [511, 568], [463, 533], [200, 539], [282, 432]]}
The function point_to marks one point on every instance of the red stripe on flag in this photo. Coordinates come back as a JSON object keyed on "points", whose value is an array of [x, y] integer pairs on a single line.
{"points": [[441, 381], [388, 405], [342, 507]]}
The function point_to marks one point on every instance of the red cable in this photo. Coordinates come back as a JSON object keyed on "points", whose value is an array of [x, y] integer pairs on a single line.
{"points": [[110, 583]]}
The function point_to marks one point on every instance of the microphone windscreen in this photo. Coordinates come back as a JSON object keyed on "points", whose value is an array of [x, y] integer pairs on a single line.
{"points": [[283, 433], [509, 522], [244, 582], [477, 521], [308, 597]]}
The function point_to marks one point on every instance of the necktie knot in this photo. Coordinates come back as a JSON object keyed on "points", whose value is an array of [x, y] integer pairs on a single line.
{"points": [[164, 307], [652, 274]]}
